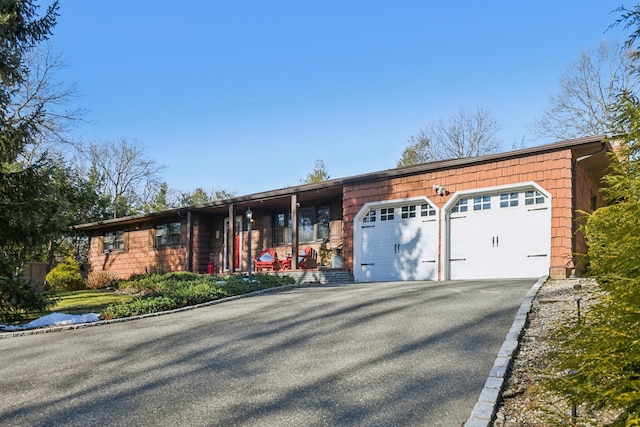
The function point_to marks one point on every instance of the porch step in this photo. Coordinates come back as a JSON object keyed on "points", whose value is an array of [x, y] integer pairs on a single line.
{"points": [[328, 275]]}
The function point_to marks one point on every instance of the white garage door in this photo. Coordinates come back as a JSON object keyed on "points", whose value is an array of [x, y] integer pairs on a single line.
{"points": [[398, 241], [504, 234]]}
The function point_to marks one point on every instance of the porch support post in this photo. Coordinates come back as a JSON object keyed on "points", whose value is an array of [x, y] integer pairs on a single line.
{"points": [[189, 238], [231, 240], [294, 231]]}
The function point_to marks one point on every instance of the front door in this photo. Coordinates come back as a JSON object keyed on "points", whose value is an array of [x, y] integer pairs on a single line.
{"points": [[238, 243]]}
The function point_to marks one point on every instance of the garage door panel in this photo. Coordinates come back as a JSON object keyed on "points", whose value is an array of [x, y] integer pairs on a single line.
{"points": [[500, 235], [399, 241]]}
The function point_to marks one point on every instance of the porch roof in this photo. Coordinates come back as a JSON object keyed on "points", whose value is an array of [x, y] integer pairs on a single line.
{"points": [[591, 151]]}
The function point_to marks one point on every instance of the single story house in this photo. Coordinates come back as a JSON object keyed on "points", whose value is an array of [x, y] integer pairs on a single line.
{"points": [[507, 215]]}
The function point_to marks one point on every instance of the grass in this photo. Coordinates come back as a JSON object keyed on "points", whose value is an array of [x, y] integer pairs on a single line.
{"points": [[88, 301]]}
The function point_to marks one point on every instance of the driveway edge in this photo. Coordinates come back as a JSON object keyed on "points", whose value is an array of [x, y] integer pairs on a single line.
{"points": [[485, 409]]}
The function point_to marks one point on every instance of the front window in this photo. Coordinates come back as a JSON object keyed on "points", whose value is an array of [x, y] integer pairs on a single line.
{"points": [[281, 227], [113, 241], [168, 234], [306, 220], [313, 225]]}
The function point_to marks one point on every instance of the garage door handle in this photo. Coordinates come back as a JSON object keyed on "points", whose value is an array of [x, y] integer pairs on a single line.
{"points": [[367, 263], [536, 256], [458, 259], [430, 260], [537, 209]]}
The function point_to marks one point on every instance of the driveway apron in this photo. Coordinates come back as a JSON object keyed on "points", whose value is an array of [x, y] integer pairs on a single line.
{"points": [[376, 354]]}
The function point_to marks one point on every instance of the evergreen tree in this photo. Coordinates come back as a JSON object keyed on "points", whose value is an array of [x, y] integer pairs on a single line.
{"points": [[27, 213], [318, 174]]}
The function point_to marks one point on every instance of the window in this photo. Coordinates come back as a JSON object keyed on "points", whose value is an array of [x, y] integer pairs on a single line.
{"points": [[481, 203], [324, 217], [113, 241], [168, 234], [386, 214], [370, 216], [408, 211], [306, 220], [509, 200], [461, 206], [281, 228], [313, 225], [427, 210], [533, 197]]}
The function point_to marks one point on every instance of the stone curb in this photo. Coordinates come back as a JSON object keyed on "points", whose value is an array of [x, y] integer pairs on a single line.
{"points": [[4, 335], [485, 409]]}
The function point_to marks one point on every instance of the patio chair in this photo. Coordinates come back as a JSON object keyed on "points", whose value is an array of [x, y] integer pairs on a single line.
{"points": [[306, 258], [268, 260]]}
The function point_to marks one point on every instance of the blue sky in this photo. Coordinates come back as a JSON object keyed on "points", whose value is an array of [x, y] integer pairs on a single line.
{"points": [[246, 95]]}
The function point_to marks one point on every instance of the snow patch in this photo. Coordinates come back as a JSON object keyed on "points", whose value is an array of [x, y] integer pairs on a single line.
{"points": [[54, 319]]}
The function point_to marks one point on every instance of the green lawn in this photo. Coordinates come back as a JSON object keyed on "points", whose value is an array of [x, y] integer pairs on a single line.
{"points": [[89, 301]]}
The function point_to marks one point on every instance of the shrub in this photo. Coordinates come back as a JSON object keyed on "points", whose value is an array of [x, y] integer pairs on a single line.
{"points": [[66, 276], [100, 280], [181, 289], [19, 298]]}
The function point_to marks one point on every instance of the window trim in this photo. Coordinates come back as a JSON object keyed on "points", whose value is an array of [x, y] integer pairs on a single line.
{"points": [[171, 230], [113, 241]]}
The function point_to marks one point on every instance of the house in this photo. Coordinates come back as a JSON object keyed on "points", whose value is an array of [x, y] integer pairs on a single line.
{"points": [[506, 215]]}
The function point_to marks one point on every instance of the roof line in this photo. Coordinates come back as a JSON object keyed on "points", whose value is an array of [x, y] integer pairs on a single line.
{"points": [[371, 176]]}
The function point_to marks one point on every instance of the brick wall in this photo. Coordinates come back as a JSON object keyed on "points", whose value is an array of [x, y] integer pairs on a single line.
{"points": [[552, 171], [138, 256]]}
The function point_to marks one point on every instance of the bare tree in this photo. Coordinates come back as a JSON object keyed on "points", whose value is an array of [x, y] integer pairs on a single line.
{"points": [[41, 96], [584, 103], [467, 133], [126, 175]]}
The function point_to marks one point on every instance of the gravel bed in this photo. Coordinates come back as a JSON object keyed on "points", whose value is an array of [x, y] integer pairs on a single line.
{"points": [[524, 405]]}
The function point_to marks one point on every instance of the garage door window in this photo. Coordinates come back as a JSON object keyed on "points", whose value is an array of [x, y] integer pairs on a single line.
{"points": [[427, 210], [386, 214], [481, 203], [370, 216], [461, 206], [408, 211], [509, 200], [533, 197]]}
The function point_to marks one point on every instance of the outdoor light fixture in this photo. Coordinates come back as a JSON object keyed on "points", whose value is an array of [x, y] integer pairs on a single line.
{"points": [[440, 189], [249, 217], [578, 297]]}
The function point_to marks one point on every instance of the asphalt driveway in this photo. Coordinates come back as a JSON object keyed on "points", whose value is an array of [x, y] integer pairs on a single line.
{"points": [[382, 354]]}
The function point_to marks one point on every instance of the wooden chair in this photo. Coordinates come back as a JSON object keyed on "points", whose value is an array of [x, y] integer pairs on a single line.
{"points": [[306, 259], [268, 259]]}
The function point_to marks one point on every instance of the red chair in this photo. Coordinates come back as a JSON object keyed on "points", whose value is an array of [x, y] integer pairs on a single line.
{"points": [[306, 258], [268, 260]]}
